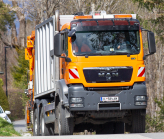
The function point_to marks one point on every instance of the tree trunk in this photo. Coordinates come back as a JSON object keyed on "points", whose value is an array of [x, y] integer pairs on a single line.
{"points": [[22, 28]]}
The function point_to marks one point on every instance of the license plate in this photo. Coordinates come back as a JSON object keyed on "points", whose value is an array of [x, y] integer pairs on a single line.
{"points": [[109, 99]]}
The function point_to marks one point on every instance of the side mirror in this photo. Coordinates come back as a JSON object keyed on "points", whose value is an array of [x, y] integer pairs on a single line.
{"points": [[7, 112], [57, 45], [151, 42], [71, 33]]}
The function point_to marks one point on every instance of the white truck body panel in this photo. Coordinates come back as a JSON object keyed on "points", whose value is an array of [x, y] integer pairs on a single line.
{"points": [[65, 19], [47, 67]]}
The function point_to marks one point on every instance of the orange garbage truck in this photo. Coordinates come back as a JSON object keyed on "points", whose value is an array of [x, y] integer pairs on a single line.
{"points": [[87, 72]]}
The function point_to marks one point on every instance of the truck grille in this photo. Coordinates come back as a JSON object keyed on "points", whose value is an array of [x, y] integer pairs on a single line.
{"points": [[108, 74], [109, 92]]}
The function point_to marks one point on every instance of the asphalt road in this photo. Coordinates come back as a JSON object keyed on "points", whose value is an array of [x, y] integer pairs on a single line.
{"points": [[20, 126], [115, 136]]}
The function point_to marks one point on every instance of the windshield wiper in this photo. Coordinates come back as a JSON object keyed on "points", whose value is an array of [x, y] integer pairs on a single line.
{"points": [[124, 53], [118, 53], [89, 54], [121, 53], [113, 53]]}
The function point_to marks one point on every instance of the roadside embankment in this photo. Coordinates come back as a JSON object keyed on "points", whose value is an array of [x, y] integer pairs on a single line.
{"points": [[7, 129]]}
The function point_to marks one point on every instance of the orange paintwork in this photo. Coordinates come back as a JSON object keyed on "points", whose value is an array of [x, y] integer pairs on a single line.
{"points": [[62, 60], [123, 16], [83, 17], [62, 66], [27, 115], [30, 55], [66, 25], [81, 62], [33, 35]]}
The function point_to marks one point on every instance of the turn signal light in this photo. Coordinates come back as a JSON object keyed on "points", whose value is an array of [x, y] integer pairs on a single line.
{"points": [[141, 103], [76, 105], [123, 16], [83, 17]]}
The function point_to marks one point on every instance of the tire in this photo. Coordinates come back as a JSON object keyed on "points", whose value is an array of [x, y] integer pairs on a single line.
{"points": [[45, 129], [36, 123], [105, 129], [65, 125], [119, 128], [138, 121], [31, 117], [26, 117], [127, 127]]}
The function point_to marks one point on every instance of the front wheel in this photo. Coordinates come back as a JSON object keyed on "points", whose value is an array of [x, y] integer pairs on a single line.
{"points": [[105, 128], [65, 125], [138, 121], [119, 128]]}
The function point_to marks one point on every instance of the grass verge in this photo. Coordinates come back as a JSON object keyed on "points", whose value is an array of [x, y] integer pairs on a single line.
{"points": [[7, 129]]}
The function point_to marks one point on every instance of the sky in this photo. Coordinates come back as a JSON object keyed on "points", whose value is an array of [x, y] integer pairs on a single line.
{"points": [[16, 20], [7, 1]]}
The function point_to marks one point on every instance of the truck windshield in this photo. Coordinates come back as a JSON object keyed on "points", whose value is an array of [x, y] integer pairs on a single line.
{"points": [[106, 43]]}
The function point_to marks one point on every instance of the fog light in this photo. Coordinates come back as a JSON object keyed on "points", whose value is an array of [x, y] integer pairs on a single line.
{"points": [[76, 100], [140, 103], [76, 105], [140, 98]]}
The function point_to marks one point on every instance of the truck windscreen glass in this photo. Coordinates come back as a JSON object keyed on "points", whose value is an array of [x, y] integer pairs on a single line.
{"points": [[106, 43]]}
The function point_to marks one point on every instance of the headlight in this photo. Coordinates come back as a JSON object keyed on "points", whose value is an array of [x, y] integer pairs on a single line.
{"points": [[140, 98], [76, 100]]}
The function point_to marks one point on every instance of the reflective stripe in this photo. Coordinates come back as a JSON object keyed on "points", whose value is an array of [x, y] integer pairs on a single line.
{"points": [[141, 72], [73, 74]]}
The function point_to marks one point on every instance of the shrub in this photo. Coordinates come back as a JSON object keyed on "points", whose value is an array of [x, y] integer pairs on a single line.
{"points": [[7, 129]]}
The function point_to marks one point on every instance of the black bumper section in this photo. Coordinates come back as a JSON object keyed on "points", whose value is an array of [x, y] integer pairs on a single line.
{"points": [[92, 99]]}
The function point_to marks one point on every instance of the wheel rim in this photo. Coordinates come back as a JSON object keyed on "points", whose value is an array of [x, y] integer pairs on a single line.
{"points": [[43, 125], [35, 125]]}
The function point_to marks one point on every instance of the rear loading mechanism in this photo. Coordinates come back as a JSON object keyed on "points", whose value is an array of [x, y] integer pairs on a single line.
{"points": [[95, 83]]}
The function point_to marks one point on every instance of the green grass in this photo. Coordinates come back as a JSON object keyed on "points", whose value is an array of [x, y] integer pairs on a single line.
{"points": [[7, 129]]}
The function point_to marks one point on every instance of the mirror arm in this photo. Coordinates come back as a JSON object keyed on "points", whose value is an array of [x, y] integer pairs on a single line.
{"points": [[142, 29], [67, 59], [144, 57], [71, 33], [64, 31]]}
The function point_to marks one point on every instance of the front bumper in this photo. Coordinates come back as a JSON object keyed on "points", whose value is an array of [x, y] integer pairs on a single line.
{"points": [[92, 99]]}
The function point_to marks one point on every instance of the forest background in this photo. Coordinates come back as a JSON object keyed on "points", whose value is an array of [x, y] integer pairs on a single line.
{"points": [[24, 15]]}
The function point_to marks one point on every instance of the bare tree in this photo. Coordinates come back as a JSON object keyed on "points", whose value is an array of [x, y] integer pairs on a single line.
{"points": [[40, 10], [110, 6]]}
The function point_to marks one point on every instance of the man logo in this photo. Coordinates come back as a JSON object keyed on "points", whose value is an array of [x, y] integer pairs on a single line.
{"points": [[101, 74], [108, 75]]}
